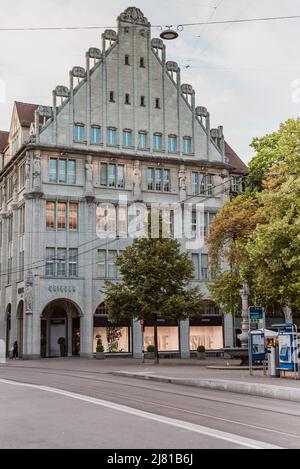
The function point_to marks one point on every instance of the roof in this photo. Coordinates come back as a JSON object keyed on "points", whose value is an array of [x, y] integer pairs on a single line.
{"points": [[235, 161], [26, 113], [3, 140]]}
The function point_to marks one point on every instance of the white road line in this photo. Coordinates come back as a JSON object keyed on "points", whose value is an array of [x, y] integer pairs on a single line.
{"points": [[229, 437]]}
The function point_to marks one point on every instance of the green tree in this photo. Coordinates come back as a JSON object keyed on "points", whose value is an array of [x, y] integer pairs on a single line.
{"points": [[155, 279]]}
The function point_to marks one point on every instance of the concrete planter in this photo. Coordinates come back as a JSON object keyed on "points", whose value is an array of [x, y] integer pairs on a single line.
{"points": [[100, 356], [201, 355]]}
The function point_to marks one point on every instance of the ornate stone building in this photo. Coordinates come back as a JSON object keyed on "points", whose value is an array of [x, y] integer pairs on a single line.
{"points": [[125, 134]]}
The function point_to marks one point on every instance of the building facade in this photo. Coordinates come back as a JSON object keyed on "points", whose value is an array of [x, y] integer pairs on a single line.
{"points": [[77, 181]]}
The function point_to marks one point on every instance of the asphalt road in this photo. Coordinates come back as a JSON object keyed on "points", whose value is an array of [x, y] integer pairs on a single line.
{"points": [[56, 408]]}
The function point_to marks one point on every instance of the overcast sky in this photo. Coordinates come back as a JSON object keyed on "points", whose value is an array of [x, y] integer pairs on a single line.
{"points": [[243, 73]]}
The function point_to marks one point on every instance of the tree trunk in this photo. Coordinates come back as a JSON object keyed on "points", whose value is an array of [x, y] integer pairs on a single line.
{"points": [[156, 342]]}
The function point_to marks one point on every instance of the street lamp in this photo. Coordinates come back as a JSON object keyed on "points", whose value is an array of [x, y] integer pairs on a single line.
{"points": [[169, 34], [244, 337]]}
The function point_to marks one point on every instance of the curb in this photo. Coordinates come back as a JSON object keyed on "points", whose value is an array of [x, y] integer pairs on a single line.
{"points": [[253, 389]]}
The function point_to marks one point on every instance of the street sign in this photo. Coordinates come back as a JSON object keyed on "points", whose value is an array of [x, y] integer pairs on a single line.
{"points": [[256, 313]]}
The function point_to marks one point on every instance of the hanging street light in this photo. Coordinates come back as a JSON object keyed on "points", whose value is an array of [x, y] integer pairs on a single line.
{"points": [[169, 34]]}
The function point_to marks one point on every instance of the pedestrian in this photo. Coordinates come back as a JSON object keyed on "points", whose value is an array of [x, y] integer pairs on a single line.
{"points": [[16, 350]]}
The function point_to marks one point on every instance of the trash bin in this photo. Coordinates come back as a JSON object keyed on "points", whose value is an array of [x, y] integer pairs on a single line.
{"points": [[273, 362]]}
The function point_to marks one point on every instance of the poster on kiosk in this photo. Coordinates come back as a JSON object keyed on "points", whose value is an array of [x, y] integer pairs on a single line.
{"points": [[288, 348]]}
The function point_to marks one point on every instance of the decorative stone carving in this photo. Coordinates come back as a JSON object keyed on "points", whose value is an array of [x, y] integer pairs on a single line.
{"points": [[94, 53], [62, 91], [134, 15], [182, 183], [89, 178], [110, 35], [45, 111], [157, 43], [137, 182], [15, 187], [172, 66], [4, 198], [28, 292], [201, 111], [37, 172], [187, 89], [78, 72]]}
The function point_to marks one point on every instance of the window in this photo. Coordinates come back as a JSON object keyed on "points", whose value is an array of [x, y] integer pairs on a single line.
{"points": [[21, 267], [204, 267], [50, 216], [143, 101], [22, 176], [187, 145], [78, 132], [127, 138], [62, 171], [150, 179], [200, 262], [142, 62], [95, 135], [106, 221], [127, 62], [111, 136], [62, 216], [53, 170], [236, 184], [202, 184], [73, 262], [73, 217], [157, 103], [112, 175], [10, 229], [22, 220], [61, 262], [111, 97], [143, 140], [9, 270], [208, 219], [50, 266], [159, 179], [157, 142], [127, 98], [106, 264], [172, 143], [167, 180]]}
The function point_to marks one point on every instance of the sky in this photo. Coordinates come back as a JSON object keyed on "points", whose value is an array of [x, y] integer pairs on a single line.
{"points": [[247, 75]]}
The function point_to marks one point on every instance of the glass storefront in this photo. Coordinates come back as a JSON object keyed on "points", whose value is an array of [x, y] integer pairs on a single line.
{"points": [[114, 339], [209, 336], [168, 338]]}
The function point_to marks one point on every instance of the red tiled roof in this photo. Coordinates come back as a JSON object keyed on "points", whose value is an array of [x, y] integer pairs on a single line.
{"points": [[235, 160], [3, 140], [26, 113]]}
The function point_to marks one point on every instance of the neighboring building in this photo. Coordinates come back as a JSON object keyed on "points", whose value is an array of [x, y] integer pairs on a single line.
{"points": [[128, 128]]}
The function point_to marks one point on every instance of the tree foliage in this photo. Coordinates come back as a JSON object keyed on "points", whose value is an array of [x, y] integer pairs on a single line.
{"points": [[256, 236]]}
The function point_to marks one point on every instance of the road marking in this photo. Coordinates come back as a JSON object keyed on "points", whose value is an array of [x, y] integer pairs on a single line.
{"points": [[229, 437]]}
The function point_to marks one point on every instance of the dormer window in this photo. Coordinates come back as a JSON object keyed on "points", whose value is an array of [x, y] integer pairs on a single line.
{"points": [[78, 132], [127, 61], [127, 98]]}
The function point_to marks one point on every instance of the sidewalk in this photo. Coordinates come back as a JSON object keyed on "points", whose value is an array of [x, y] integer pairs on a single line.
{"points": [[180, 372]]}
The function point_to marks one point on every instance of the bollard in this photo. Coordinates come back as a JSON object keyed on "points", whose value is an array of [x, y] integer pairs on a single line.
{"points": [[273, 362]]}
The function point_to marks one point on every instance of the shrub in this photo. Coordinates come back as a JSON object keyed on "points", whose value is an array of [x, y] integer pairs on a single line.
{"points": [[201, 349], [150, 348], [100, 348]]}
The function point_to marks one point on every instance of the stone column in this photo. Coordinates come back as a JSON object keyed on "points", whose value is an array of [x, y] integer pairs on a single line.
{"points": [[228, 330], [70, 336], [244, 337], [86, 335], [137, 339], [185, 339]]}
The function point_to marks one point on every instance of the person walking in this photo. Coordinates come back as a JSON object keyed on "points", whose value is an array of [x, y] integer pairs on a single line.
{"points": [[16, 350]]}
